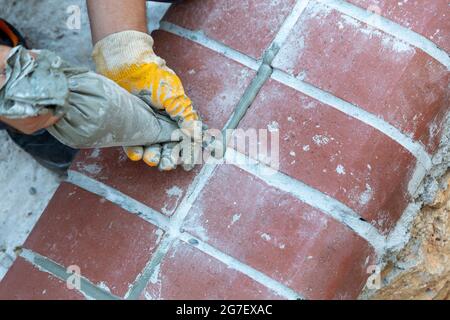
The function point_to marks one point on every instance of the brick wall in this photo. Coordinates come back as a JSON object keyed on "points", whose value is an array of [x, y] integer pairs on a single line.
{"points": [[359, 102]]}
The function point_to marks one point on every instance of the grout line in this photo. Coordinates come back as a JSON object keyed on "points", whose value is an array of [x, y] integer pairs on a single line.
{"points": [[87, 288], [191, 195], [197, 36], [399, 236], [200, 38], [173, 229], [153, 264], [241, 267], [390, 27], [265, 70], [310, 196], [142, 211], [289, 23], [417, 177], [143, 278], [248, 97], [125, 202], [313, 197], [356, 112]]}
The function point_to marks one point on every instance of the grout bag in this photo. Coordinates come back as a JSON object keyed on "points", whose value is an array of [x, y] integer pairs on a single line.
{"points": [[95, 111]]}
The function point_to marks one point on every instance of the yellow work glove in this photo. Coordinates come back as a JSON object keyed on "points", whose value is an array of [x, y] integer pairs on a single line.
{"points": [[128, 59]]}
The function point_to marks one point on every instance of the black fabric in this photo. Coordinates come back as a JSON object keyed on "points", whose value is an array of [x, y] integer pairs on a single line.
{"points": [[43, 147]]}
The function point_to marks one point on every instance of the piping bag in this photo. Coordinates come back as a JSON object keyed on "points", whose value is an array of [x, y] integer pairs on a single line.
{"points": [[95, 112]]}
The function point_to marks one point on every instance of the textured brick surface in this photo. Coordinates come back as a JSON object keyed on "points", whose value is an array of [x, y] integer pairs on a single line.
{"points": [[162, 191], [429, 18], [248, 26], [258, 225], [25, 282], [371, 69], [187, 273], [109, 245], [280, 236], [335, 153]]}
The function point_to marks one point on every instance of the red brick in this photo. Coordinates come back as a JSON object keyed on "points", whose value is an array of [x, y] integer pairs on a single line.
{"points": [[162, 191], [109, 245], [214, 83], [429, 18], [335, 153], [280, 236], [187, 273], [373, 70], [25, 282], [248, 26]]}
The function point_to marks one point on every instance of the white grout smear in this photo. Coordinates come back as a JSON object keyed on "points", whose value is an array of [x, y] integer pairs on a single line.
{"points": [[320, 140], [93, 168], [172, 192], [366, 196], [266, 236], [340, 169], [234, 219]]}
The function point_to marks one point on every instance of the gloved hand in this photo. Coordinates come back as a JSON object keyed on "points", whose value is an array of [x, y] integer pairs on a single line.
{"points": [[128, 59]]}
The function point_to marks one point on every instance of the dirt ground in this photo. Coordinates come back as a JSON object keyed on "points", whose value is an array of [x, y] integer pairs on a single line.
{"points": [[420, 271]]}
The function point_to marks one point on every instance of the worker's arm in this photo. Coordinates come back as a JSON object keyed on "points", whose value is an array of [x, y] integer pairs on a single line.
{"points": [[124, 53], [112, 16], [27, 125]]}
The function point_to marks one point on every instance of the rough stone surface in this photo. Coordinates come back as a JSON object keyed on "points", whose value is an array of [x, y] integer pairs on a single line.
{"points": [[422, 269]]}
